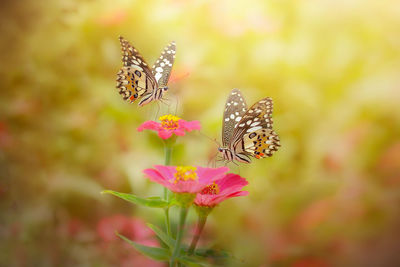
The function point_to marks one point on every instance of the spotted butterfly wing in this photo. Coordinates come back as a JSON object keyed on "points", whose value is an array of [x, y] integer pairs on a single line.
{"points": [[163, 66], [253, 135], [134, 79], [235, 107]]}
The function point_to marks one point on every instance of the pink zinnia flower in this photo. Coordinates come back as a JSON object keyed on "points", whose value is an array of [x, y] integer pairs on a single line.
{"points": [[184, 179], [169, 125], [133, 228], [226, 187]]}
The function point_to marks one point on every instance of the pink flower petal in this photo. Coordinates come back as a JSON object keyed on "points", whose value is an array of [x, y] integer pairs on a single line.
{"points": [[156, 176], [164, 134], [190, 125], [166, 171], [179, 132], [149, 125], [165, 175], [234, 194], [211, 174], [229, 186], [231, 181]]}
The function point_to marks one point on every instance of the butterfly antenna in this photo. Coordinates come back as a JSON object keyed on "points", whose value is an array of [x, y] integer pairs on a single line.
{"points": [[176, 105], [217, 160], [158, 110], [165, 102], [214, 140], [212, 159]]}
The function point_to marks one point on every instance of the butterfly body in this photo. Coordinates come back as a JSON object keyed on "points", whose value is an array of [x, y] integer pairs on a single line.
{"points": [[135, 80], [246, 132]]}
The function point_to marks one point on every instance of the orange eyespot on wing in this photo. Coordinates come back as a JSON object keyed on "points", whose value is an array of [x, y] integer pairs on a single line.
{"points": [[129, 81], [261, 143]]}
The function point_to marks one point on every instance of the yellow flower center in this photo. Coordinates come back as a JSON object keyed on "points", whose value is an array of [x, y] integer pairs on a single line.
{"points": [[169, 122], [185, 173], [212, 189]]}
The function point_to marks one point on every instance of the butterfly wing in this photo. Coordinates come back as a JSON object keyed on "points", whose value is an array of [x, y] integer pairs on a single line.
{"points": [[261, 143], [163, 66], [253, 134], [235, 107], [134, 79]]}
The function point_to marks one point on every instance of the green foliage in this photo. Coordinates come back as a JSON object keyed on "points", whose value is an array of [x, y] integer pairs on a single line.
{"points": [[159, 254], [169, 241], [152, 202]]}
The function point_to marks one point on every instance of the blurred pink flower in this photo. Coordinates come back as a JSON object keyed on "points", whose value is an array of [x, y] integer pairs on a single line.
{"points": [[184, 179], [310, 262], [74, 226], [6, 139], [388, 165], [313, 215], [169, 125], [132, 228], [120, 253], [226, 187], [177, 76], [115, 17]]}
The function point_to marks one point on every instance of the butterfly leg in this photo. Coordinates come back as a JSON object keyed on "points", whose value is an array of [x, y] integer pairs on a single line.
{"points": [[213, 160], [165, 101], [235, 163], [176, 105], [158, 110]]}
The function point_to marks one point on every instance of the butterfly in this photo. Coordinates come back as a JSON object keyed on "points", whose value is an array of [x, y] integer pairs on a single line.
{"points": [[247, 132], [136, 80]]}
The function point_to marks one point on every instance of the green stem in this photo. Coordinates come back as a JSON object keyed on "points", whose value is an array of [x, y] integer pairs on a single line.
{"points": [[181, 226], [168, 154], [201, 222]]}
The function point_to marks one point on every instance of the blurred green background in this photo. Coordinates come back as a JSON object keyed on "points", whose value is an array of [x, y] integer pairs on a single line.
{"points": [[329, 197]]}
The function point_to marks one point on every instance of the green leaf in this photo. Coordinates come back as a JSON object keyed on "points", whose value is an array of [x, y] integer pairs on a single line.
{"points": [[159, 254], [212, 253], [169, 241], [193, 261], [153, 202], [173, 202]]}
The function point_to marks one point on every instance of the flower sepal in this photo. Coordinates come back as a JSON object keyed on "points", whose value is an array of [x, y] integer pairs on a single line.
{"points": [[184, 200], [170, 141], [203, 211]]}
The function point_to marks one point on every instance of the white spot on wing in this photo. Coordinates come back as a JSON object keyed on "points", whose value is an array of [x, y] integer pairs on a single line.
{"points": [[158, 76], [254, 129], [137, 67]]}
